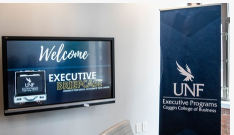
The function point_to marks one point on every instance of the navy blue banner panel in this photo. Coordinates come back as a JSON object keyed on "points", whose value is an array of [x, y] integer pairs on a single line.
{"points": [[190, 87]]}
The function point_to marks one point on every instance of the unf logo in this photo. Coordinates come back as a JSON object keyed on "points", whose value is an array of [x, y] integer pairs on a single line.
{"points": [[29, 84], [185, 88]]}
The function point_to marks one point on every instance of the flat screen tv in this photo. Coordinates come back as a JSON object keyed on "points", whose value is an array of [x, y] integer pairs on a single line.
{"points": [[50, 73]]}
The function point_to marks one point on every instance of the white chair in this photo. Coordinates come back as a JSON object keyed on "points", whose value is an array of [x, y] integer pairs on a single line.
{"points": [[122, 128]]}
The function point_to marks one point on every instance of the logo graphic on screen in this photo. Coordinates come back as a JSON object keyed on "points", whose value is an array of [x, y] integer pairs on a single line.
{"points": [[30, 83], [187, 73], [29, 86]]}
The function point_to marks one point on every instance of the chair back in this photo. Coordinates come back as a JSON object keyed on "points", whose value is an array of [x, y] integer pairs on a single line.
{"points": [[122, 128]]}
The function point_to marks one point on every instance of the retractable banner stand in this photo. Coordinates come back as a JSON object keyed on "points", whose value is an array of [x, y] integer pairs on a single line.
{"points": [[190, 87]]}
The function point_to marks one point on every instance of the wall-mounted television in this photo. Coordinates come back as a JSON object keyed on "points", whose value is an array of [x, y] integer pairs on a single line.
{"points": [[50, 73]]}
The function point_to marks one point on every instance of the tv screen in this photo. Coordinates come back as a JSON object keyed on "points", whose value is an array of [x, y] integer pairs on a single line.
{"points": [[48, 73]]}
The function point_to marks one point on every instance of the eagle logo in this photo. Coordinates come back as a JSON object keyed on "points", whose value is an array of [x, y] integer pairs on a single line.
{"points": [[30, 83], [29, 80], [183, 72]]}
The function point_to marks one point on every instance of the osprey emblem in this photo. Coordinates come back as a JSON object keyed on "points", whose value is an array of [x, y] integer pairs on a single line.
{"points": [[30, 83], [186, 72]]}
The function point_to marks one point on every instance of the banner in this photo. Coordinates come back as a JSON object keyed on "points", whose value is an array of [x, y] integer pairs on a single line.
{"points": [[190, 87]]}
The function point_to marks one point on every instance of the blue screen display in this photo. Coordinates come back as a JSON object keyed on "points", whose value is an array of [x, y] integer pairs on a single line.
{"points": [[54, 72]]}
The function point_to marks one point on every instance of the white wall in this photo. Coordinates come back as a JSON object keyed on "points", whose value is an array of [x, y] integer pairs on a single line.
{"points": [[135, 28]]}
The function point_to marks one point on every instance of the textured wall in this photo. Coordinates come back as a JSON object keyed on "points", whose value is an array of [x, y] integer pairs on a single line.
{"points": [[225, 121]]}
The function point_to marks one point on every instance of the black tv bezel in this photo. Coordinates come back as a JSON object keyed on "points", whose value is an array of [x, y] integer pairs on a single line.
{"points": [[60, 105]]}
